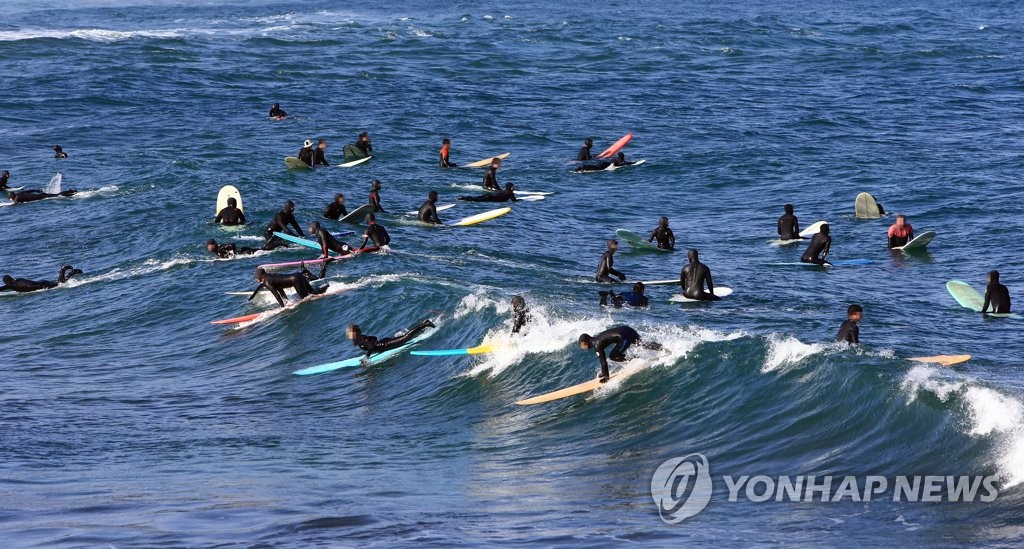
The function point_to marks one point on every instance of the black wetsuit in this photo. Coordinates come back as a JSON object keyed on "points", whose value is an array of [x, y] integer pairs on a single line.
{"points": [[276, 112], [230, 215], [32, 195], [606, 268], [375, 202], [584, 153], [789, 227], [373, 345], [491, 179], [328, 242], [3, 182], [335, 211], [666, 238], [849, 332], [693, 277], [379, 235], [619, 338], [278, 283], [59, 153], [619, 300], [23, 285], [306, 155], [280, 224], [500, 196], [998, 296], [318, 157], [522, 317], [593, 167], [365, 147], [817, 251], [428, 213], [225, 251]]}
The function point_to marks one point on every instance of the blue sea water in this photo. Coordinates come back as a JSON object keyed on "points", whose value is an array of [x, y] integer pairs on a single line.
{"points": [[128, 420]]}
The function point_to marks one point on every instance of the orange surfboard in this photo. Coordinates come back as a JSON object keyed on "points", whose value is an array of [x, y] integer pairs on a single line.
{"points": [[236, 320], [615, 148]]}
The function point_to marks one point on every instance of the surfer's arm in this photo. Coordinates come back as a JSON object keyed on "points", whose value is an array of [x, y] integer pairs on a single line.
{"points": [[217, 219], [277, 293], [711, 283], [256, 291], [650, 237], [988, 299]]}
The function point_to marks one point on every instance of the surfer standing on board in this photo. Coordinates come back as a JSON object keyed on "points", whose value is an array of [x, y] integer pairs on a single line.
{"points": [[817, 250], [997, 295], [606, 269], [849, 331], [900, 232], [22, 285], [619, 338], [666, 238], [789, 225]]}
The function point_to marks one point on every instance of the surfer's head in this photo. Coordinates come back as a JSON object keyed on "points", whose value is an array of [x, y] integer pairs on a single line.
{"points": [[518, 303], [509, 187], [289, 207], [307, 143], [260, 274], [855, 312], [588, 142], [8, 279], [638, 288], [322, 143], [353, 331], [432, 196], [613, 245], [375, 185], [370, 219], [585, 341], [211, 245], [692, 254], [314, 227], [993, 277], [232, 202], [663, 222], [901, 220], [446, 141], [824, 229], [339, 198], [788, 208], [620, 156], [495, 163]]}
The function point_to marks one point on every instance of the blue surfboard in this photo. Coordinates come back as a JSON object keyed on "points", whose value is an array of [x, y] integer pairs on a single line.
{"points": [[362, 360], [307, 242]]}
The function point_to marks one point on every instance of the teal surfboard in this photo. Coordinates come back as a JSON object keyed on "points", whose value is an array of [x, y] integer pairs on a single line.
{"points": [[918, 243], [307, 242], [363, 361], [638, 242], [969, 298]]}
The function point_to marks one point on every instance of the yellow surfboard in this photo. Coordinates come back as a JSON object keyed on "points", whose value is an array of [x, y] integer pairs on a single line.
{"points": [[945, 360], [486, 161], [592, 385], [226, 192], [479, 218]]}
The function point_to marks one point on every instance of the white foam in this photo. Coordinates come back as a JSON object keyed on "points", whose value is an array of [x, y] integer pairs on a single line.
{"points": [[109, 189], [788, 351], [53, 187]]}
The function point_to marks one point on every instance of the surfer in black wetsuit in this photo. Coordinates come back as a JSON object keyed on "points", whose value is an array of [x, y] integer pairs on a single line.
{"points": [[306, 153], [619, 160], [619, 338], [849, 331], [281, 223], [59, 153], [327, 240], [521, 315], [375, 232], [32, 195], [22, 285], [445, 161], [997, 295], [3, 180], [276, 112], [225, 251], [789, 225], [506, 195], [606, 269], [318, 154], [373, 345], [428, 210], [584, 153], [635, 298], [694, 276], [666, 238], [336, 210], [278, 283], [817, 250], [491, 177], [375, 196], [230, 214]]}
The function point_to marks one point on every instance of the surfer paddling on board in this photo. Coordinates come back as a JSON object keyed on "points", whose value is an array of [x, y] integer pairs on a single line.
{"points": [[694, 276], [635, 298], [849, 331], [280, 223], [521, 315], [22, 285], [584, 153], [375, 196], [618, 160], [230, 214], [306, 152], [900, 232], [606, 268], [664, 235], [428, 210], [225, 251], [277, 112], [318, 155], [32, 195], [373, 345], [327, 240], [445, 161], [336, 210], [59, 153], [506, 195], [3, 180], [278, 283], [619, 338], [375, 232], [997, 295], [491, 177], [817, 250], [789, 225]]}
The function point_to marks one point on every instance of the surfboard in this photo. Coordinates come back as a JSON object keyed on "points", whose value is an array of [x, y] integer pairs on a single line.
{"points": [[356, 162], [866, 207], [485, 162], [720, 291], [945, 360], [317, 260], [969, 298], [294, 163], [298, 240], [529, 197], [479, 218], [585, 387], [358, 215], [14, 189], [813, 229], [478, 350], [439, 209], [638, 242], [918, 243], [361, 360], [237, 319], [613, 167], [666, 282], [226, 192], [616, 146]]}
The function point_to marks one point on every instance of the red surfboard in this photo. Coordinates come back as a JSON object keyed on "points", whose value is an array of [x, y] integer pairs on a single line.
{"points": [[615, 148], [236, 320]]}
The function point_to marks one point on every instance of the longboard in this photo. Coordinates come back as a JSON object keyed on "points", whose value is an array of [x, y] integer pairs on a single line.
{"points": [[969, 298], [486, 161], [318, 260], [358, 215], [226, 192], [865, 207], [945, 360], [478, 350], [918, 243], [616, 146], [720, 291], [638, 242], [294, 163], [478, 218], [585, 387], [439, 208], [361, 360], [666, 282], [356, 162], [613, 167]]}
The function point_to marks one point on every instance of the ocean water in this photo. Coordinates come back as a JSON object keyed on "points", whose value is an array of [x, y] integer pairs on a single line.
{"points": [[128, 420]]}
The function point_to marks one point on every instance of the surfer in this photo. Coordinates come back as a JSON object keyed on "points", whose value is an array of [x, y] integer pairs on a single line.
{"points": [[521, 315], [373, 345], [789, 225], [318, 155], [491, 177], [619, 338], [635, 298], [277, 112], [59, 153], [606, 268], [32, 195], [900, 233], [375, 196], [336, 210], [666, 238], [280, 223], [225, 251], [446, 146], [230, 214], [363, 144], [849, 331], [997, 295], [22, 285], [618, 161], [584, 153], [694, 276], [428, 210], [817, 250], [3, 179], [327, 240], [278, 283], [506, 195], [375, 232], [306, 153]]}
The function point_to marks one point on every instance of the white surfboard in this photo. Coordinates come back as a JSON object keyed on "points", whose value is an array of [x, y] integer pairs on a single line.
{"points": [[439, 208], [918, 243], [355, 162], [613, 167], [720, 291], [866, 207], [226, 192]]}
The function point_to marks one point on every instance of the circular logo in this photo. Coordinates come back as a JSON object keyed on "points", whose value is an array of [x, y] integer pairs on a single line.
{"points": [[681, 487]]}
